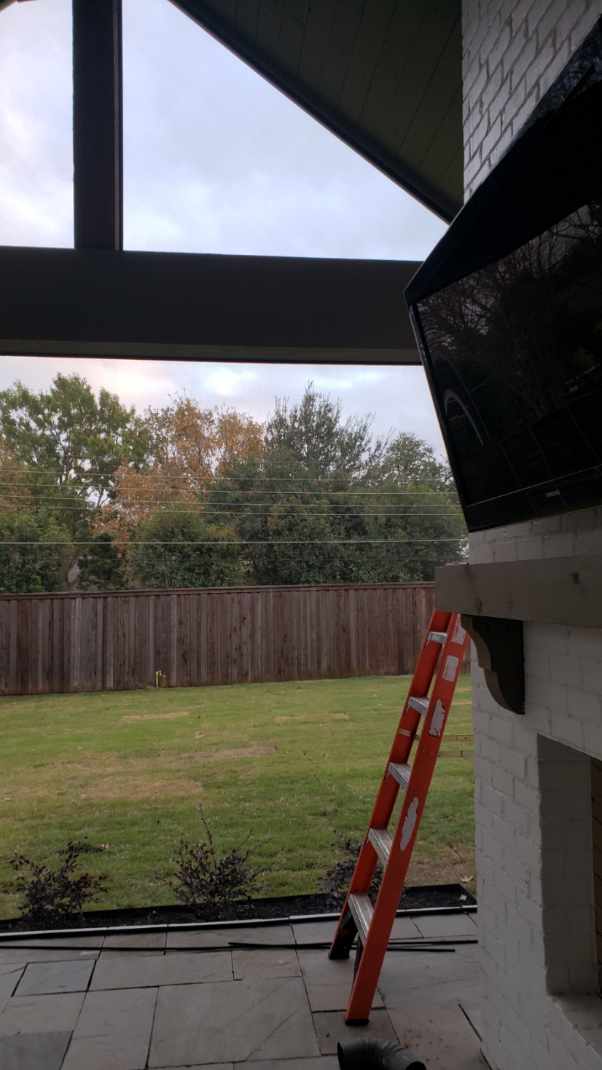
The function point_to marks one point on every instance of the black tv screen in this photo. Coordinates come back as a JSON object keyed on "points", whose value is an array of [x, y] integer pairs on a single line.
{"points": [[508, 315]]}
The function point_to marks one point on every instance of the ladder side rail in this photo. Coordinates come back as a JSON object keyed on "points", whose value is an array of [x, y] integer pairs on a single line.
{"points": [[370, 961], [386, 796]]}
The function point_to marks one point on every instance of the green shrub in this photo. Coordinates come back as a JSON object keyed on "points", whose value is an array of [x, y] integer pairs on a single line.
{"points": [[51, 893], [210, 882]]}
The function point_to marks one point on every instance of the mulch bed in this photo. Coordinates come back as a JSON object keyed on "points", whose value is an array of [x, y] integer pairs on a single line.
{"points": [[430, 897]]}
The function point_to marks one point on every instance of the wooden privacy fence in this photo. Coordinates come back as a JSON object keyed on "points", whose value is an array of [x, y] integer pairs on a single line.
{"points": [[118, 641]]}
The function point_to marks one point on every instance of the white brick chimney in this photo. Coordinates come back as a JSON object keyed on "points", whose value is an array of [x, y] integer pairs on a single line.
{"points": [[534, 773]]}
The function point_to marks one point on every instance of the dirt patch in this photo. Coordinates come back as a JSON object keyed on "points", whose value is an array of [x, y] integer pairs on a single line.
{"points": [[106, 789], [448, 867], [256, 750], [173, 716], [157, 767], [318, 719]]}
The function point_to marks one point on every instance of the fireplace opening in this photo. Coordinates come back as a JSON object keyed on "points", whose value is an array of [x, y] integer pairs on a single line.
{"points": [[571, 868]]}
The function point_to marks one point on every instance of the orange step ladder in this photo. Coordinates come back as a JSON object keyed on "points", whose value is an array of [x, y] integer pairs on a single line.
{"points": [[439, 664]]}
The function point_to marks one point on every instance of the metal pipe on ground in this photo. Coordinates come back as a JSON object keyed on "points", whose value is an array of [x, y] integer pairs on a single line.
{"points": [[377, 1055]]}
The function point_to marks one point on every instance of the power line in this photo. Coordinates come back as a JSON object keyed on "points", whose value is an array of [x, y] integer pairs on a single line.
{"points": [[230, 542], [158, 501], [239, 510], [209, 479]]}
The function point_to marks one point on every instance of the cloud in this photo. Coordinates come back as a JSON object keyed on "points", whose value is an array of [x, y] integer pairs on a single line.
{"points": [[227, 382]]}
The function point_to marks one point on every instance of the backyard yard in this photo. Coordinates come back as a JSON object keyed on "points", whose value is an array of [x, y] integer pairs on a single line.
{"points": [[290, 769]]}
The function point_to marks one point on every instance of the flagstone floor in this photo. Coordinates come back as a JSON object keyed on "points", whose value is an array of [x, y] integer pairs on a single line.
{"points": [[89, 1004]]}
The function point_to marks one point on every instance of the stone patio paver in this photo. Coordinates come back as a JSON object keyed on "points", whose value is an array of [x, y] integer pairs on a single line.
{"points": [[270, 934], [405, 973], [320, 1062], [330, 1027], [405, 929], [146, 943], [66, 949], [323, 931], [200, 1066], [41, 1014], [127, 970], [276, 963], [197, 938], [328, 983], [447, 993], [9, 979], [440, 1036], [473, 1011], [447, 925], [113, 1031], [41, 978], [33, 1051], [232, 1021], [312, 932]]}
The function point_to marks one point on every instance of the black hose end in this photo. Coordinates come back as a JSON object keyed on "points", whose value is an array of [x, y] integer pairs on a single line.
{"points": [[377, 1055]]}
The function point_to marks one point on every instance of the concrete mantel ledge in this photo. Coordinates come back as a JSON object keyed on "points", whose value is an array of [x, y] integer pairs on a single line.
{"points": [[558, 590], [496, 599]]}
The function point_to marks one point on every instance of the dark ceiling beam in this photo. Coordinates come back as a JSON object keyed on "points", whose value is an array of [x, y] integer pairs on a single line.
{"points": [[353, 134], [97, 124], [178, 306], [7, 3]]}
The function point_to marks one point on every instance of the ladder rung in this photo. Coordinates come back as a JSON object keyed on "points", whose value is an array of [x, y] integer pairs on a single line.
{"points": [[437, 637], [400, 773], [381, 842], [419, 704], [362, 911]]}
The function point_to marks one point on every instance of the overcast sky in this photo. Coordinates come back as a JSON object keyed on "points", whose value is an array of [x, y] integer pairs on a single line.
{"points": [[217, 161]]}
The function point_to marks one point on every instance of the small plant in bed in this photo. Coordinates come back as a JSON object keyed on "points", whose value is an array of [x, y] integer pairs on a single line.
{"points": [[208, 881], [335, 882], [49, 893]]}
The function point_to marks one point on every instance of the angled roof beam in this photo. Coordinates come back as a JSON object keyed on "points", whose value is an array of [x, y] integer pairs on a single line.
{"points": [[97, 124], [7, 3], [181, 306], [226, 30]]}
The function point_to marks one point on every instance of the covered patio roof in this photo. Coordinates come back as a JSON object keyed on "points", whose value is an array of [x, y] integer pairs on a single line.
{"points": [[383, 76]]}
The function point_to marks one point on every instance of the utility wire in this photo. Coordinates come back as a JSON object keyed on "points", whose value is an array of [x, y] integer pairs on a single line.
{"points": [[210, 510], [230, 542], [152, 501], [33, 470]]}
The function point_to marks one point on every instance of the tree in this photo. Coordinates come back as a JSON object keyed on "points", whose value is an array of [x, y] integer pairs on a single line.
{"points": [[316, 436], [407, 459], [101, 566], [189, 447], [15, 490], [390, 514], [71, 442], [171, 551], [29, 562]]}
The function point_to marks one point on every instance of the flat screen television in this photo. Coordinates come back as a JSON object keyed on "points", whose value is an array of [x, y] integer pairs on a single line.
{"points": [[507, 313]]}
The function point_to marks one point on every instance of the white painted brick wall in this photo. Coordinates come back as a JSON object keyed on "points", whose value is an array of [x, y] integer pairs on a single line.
{"points": [[528, 866]]}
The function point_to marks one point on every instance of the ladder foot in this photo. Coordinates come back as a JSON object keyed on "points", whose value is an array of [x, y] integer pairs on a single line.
{"points": [[357, 1021], [337, 953]]}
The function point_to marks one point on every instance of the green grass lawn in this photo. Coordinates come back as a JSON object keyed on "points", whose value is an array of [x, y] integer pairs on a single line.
{"points": [[289, 768]]}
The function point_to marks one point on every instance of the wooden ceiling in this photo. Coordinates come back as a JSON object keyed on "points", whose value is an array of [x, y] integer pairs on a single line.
{"points": [[384, 75]]}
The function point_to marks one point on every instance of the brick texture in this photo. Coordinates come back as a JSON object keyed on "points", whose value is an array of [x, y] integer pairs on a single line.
{"points": [[532, 784]]}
